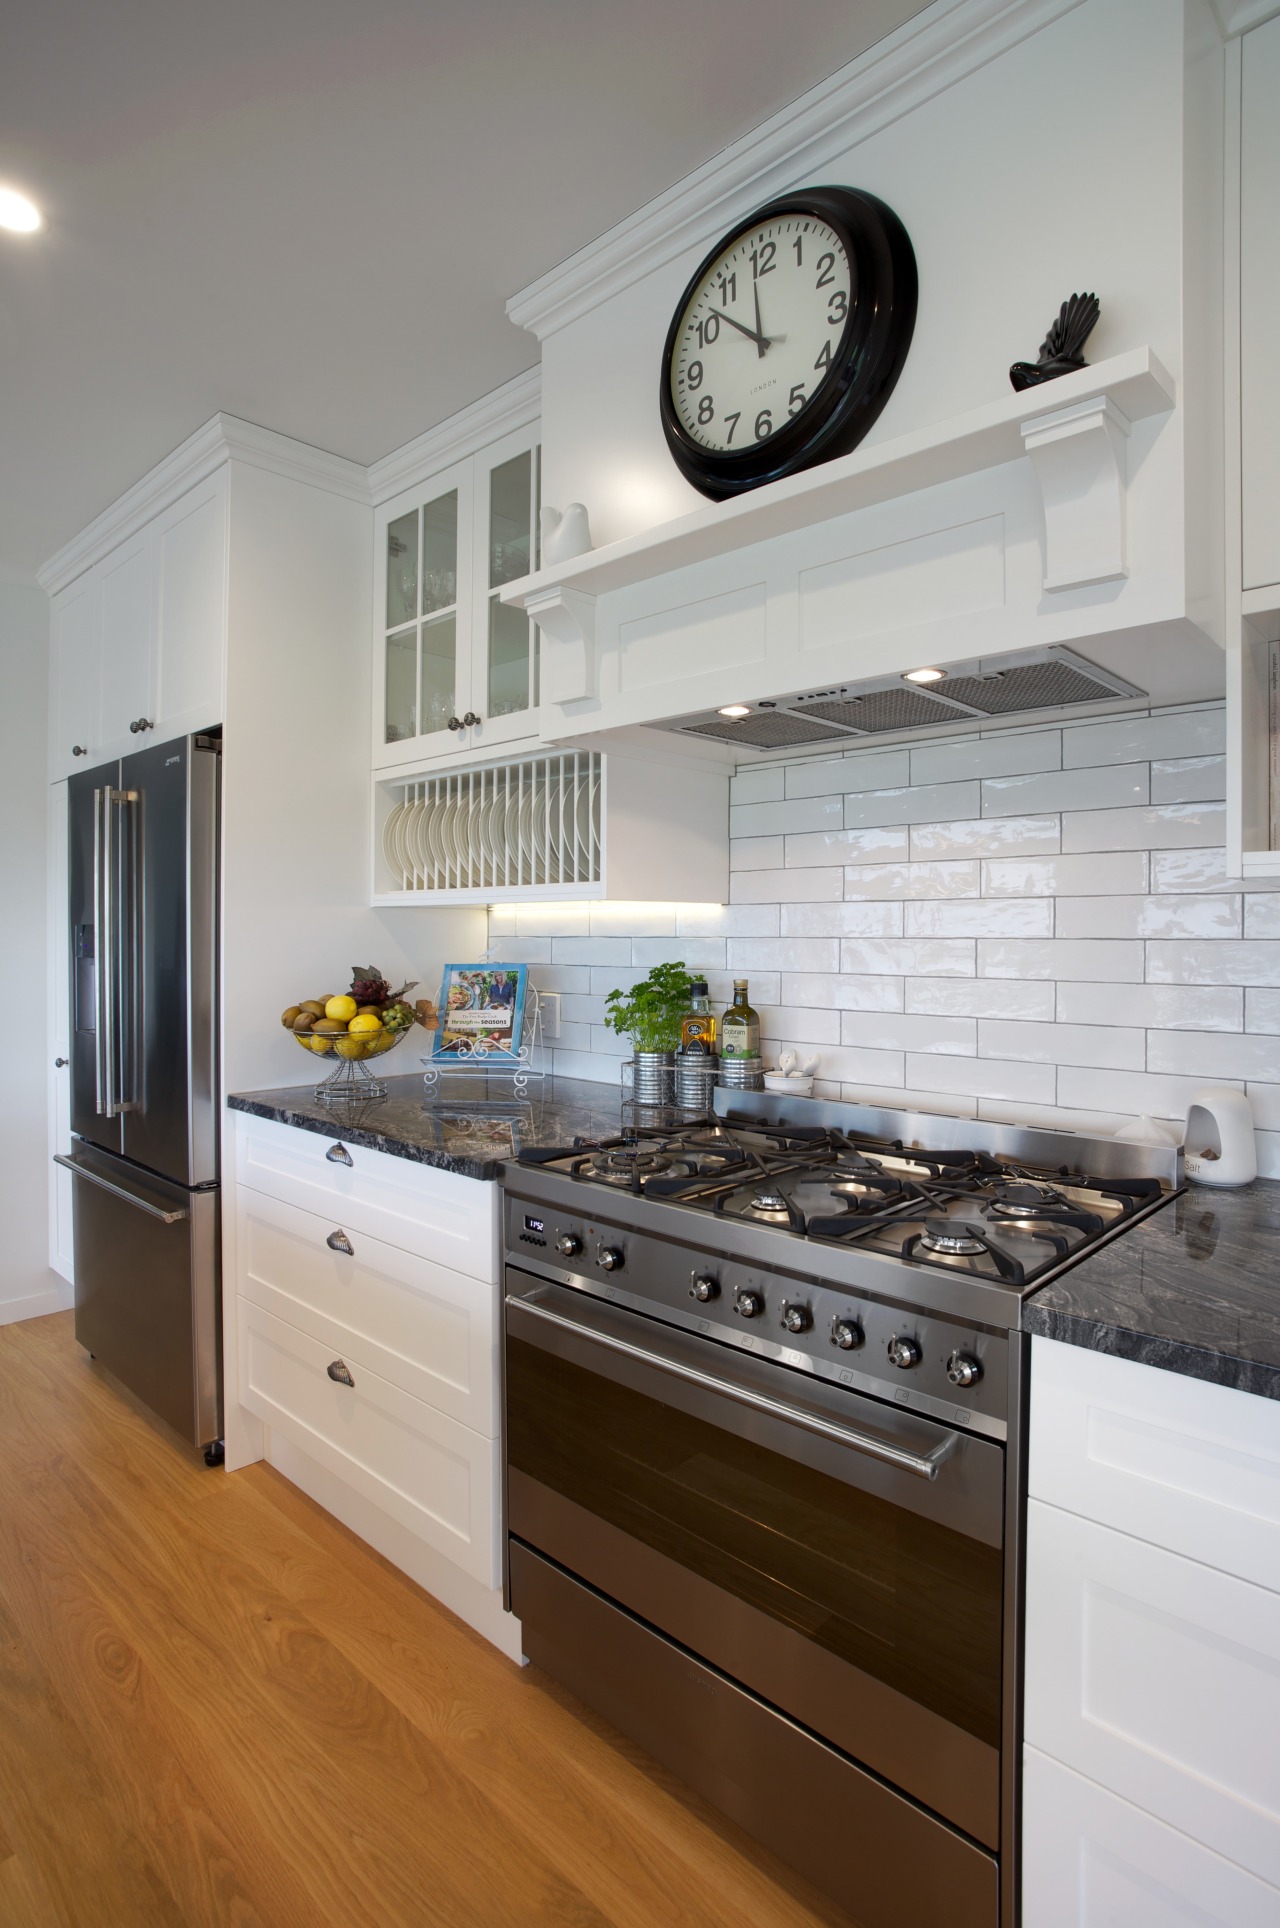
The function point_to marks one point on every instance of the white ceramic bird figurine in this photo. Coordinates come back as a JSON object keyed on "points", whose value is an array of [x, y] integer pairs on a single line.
{"points": [[565, 533]]}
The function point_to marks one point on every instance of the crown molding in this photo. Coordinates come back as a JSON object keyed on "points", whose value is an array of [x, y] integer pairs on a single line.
{"points": [[1238, 16], [949, 40], [499, 413], [222, 438]]}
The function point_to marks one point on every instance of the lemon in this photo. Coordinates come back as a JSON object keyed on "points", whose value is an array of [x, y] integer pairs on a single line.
{"points": [[341, 1008], [319, 1045], [351, 1047], [363, 1023]]}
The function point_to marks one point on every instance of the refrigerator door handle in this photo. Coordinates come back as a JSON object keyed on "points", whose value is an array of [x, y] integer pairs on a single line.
{"points": [[104, 948], [120, 1191], [131, 934]]}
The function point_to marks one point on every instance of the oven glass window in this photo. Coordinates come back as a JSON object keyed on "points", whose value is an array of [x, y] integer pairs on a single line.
{"points": [[909, 1601]]}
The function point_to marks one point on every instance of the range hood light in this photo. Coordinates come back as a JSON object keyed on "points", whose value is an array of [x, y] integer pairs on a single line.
{"points": [[735, 709], [17, 213], [924, 676]]}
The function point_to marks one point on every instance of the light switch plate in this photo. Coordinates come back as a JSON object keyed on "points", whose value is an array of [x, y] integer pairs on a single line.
{"points": [[549, 1005]]}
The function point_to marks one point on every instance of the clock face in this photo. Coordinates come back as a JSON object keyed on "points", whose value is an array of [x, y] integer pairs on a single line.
{"points": [[761, 332], [788, 340]]}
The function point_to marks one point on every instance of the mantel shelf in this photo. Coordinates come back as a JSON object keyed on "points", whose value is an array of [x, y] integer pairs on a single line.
{"points": [[1127, 388]]}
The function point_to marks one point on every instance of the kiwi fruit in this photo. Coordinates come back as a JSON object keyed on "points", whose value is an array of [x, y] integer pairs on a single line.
{"points": [[313, 1005], [287, 1017], [329, 1028], [303, 1022]]}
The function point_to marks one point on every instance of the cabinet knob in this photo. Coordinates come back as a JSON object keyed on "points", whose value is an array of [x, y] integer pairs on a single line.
{"points": [[340, 1372], [139, 724], [455, 722], [471, 717], [339, 1155], [339, 1242], [59, 1062], [79, 749]]}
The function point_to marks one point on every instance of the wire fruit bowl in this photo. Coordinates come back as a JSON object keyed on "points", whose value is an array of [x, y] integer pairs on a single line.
{"points": [[350, 1054]]}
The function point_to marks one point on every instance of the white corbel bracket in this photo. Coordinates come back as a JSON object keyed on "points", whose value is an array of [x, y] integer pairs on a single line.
{"points": [[1080, 460], [567, 619]]}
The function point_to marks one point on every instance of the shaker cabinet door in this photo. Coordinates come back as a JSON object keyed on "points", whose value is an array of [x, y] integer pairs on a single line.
{"points": [[126, 662], [74, 636], [1259, 302], [191, 572]]}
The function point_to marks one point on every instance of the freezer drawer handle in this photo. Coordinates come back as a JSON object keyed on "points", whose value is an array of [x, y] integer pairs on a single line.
{"points": [[340, 1372], [339, 1242], [339, 1155], [131, 1198], [923, 1465]]}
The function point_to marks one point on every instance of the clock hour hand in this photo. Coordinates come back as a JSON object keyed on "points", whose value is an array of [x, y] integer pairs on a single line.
{"points": [[741, 327], [761, 339]]}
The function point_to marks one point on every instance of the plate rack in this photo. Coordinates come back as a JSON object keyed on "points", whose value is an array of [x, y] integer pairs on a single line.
{"points": [[528, 825]]}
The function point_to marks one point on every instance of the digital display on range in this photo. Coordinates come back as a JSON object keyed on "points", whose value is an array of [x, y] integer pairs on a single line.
{"points": [[534, 1224]]}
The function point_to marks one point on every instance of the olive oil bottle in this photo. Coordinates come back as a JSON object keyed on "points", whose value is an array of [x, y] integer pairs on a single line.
{"points": [[740, 1026], [698, 1026]]}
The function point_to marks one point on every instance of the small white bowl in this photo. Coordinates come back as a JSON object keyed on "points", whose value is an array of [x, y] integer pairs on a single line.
{"points": [[794, 1087]]}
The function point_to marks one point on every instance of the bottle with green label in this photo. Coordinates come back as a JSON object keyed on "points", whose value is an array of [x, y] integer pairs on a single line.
{"points": [[740, 1026]]}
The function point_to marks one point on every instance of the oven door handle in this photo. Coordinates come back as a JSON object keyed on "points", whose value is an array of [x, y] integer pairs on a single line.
{"points": [[923, 1465]]}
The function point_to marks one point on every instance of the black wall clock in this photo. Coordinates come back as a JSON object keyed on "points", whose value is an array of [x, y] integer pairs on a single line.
{"points": [[788, 340]]}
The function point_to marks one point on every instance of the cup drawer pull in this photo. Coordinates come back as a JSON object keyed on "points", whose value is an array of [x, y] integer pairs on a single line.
{"points": [[339, 1155], [340, 1372], [339, 1242]]}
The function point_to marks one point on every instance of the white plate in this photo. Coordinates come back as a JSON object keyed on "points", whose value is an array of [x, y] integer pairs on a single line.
{"points": [[390, 850], [420, 840], [448, 845], [582, 820], [407, 839]]}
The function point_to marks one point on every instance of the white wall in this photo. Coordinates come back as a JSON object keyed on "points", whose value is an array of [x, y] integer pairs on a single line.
{"points": [[27, 1287], [1033, 925]]}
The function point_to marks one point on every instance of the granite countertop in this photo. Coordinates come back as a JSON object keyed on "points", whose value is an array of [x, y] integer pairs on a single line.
{"points": [[475, 1129], [1194, 1289]]}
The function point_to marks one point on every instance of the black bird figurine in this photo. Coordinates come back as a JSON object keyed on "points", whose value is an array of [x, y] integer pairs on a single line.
{"points": [[1060, 351]]}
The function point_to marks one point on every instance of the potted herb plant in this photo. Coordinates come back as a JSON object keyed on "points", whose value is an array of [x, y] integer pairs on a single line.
{"points": [[650, 1014]]}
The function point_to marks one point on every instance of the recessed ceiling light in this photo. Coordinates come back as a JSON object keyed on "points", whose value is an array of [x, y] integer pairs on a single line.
{"points": [[736, 709], [18, 213], [924, 676]]}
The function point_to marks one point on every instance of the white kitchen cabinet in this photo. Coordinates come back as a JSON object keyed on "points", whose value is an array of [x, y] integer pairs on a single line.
{"points": [[1152, 1647], [456, 668], [138, 640], [365, 1325], [61, 1222], [1259, 304]]}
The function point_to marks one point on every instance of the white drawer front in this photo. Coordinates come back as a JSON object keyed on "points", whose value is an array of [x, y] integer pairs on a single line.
{"points": [[1091, 1860], [423, 1326], [1191, 1466], [1160, 1679], [442, 1216], [437, 1477]]}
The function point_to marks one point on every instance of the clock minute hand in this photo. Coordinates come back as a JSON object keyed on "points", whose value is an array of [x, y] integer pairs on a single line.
{"points": [[762, 341], [741, 327]]}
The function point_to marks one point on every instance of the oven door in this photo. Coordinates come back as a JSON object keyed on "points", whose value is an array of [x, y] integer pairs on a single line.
{"points": [[839, 1558]]}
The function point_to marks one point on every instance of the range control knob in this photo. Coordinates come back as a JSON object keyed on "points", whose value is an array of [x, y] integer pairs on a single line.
{"points": [[748, 1305], [963, 1369], [903, 1353], [568, 1245], [797, 1318], [609, 1259], [704, 1288], [847, 1334]]}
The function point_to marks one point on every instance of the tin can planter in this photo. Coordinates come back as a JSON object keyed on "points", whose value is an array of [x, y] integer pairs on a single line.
{"points": [[695, 1081], [652, 1077]]}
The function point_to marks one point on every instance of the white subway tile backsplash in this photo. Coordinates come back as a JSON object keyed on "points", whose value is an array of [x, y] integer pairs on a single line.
{"points": [[1007, 753], [1224, 963], [1175, 916], [1262, 916], [893, 1098], [1089, 960], [757, 853], [699, 953], [568, 979], [851, 1064], [1189, 779], [554, 920], [1262, 1010], [1265, 1102], [783, 954], [1103, 874], [1108, 1046], [986, 837], [882, 843], [961, 879], [632, 920], [1159, 827], [786, 886], [1131, 739], [915, 957], [1130, 1092], [844, 993], [980, 917], [755, 784], [1107, 788], [783, 1024], [1155, 1007], [589, 950], [1268, 1143], [1210, 1055], [842, 920], [727, 920], [983, 1077], [1198, 869], [896, 1031], [976, 997], [836, 776], [921, 803], [802, 813]]}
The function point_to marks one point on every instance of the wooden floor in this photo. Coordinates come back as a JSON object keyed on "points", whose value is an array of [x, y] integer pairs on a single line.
{"points": [[218, 1706]]}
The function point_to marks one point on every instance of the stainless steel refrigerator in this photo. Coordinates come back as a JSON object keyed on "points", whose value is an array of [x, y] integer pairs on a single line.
{"points": [[143, 886]]}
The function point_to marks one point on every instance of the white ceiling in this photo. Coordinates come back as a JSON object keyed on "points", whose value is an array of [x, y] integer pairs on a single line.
{"points": [[310, 213]]}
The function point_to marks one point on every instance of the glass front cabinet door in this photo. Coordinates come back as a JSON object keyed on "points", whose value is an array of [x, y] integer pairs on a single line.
{"points": [[455, 668]]}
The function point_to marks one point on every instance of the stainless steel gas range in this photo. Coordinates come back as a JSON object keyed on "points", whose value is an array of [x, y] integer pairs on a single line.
{"points": [[764, 1389]]}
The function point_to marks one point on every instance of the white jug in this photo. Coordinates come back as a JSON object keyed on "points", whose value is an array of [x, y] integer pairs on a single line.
{"points": [[1219, 1147]]}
